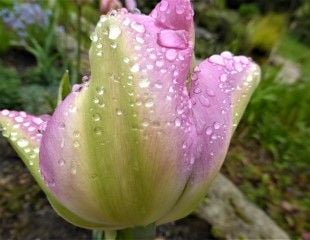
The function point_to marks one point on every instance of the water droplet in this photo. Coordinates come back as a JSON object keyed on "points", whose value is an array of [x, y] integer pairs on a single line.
{"points": [[223, 77], [5, 112], [19, 119], [171, 54], [163, 6], [100, 90], [139, 40], [217, 125], [98, 131], [144, 83], [213, 137], [114, 32], [76, 134], [73, 171], [176, 39], [209, 131], [145, 123], [217, 59], [160, 63], [22, 143], [149, 103], [96, 117], [119, 112], [76, 143], [135, 68], [158, 85], [177, 122], [61, 162], [94, 37], [180, 9], [138, 27], [126, 60]]}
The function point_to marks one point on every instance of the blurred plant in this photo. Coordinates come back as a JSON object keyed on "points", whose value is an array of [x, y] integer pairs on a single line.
{"points": [[25, 18], [249, 10], [301, 23], [9, 88], [220, 29], [289, 138], [264, 33]]}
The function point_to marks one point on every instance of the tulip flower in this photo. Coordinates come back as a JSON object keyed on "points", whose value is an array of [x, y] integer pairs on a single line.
{"points": [[140, 142]]}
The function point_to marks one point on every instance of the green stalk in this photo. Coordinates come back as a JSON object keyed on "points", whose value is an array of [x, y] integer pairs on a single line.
{"points": [[145, 233], [79, 30]]}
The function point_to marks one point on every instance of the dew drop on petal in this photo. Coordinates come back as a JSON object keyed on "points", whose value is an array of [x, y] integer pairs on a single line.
{"points": [[171, 54], [114, 32], [209, 131], [144, 83], [22, 143]]}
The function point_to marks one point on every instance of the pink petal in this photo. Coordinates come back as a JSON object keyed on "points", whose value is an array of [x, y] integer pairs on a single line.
{"points": [[174, 14], [215, 88]]}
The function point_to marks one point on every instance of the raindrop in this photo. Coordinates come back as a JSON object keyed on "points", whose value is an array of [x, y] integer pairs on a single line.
{"points": [[61, 162], [94, 37], [76, 134], [126, 60], [114, 32], [135, 68], [217, 59], [5, 112], [100, 90], [76, 143], [160, 63], [144, 83], [138, 27], [98, 131], [73, 171], [223, 77], [158, 85], [177, 122], [22, 143], [217, 125], [209, 131], [149, 103], [171, 54], [119, 112], [145, 123], [96, 117], [180, 9], [163, 6]]}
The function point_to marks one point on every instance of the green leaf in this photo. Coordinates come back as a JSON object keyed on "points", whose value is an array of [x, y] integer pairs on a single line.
{"points": [[64, 87]]}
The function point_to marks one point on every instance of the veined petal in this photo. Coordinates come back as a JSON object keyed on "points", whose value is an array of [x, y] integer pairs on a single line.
{"points": [[129, 133], [24, 132], [221, 88], [174, 14]]}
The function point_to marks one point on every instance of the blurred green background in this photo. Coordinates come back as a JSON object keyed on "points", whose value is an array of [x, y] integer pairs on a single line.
{"points": [[270, 153]]}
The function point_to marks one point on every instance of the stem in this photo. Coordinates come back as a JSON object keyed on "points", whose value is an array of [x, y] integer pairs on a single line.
{"points": [[145, 233], [79, 30], [97, 235]]}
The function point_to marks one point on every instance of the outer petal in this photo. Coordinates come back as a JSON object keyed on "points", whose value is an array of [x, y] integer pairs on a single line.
{"points": [[24, 132], [221, 89], [120, 151], [174, 14]]}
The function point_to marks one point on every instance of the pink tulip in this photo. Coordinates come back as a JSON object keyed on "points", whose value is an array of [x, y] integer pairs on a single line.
{"points": [[143, 139]]}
